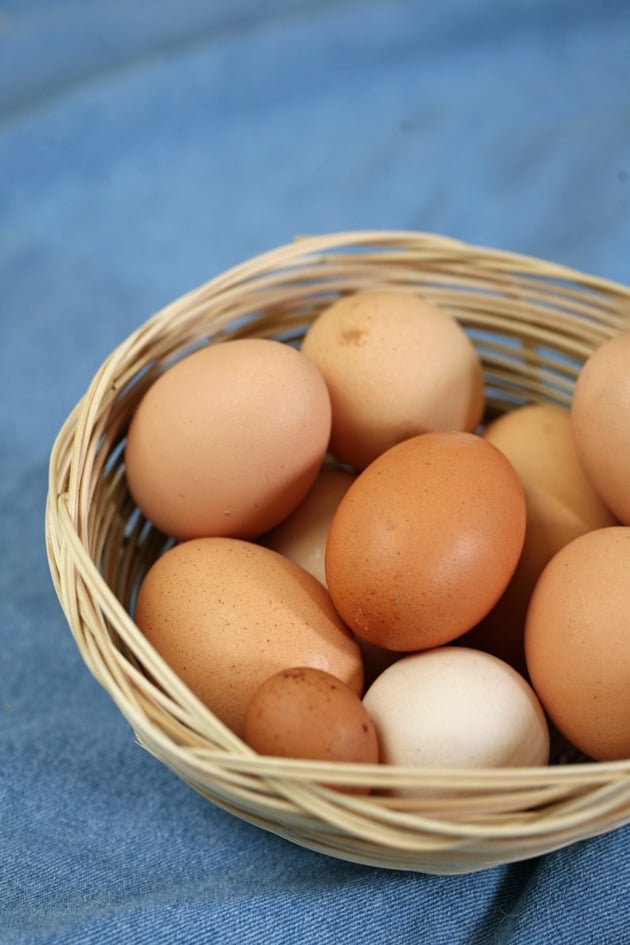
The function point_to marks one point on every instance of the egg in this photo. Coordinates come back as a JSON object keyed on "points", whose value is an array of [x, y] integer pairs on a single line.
{"points": [[302, 712], [456, 707], [228, 440], [600, 415], [302, 536], [226, 613], [425, 541], [561, 504], [577, 642], [396, 365]]}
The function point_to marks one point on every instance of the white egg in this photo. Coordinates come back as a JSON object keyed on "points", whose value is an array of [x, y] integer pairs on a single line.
{"points": [[457, 707]]}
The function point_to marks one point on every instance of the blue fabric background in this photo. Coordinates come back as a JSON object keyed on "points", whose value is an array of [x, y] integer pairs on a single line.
{"points": [[143, 149]]}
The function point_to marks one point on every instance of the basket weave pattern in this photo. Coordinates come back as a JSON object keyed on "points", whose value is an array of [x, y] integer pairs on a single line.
{"points": [[534, 324]]}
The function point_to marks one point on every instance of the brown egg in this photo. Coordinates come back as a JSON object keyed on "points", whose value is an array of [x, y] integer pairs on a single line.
{"points": [[302, 536], [577, 642], [228, 441], [561, 504], [425, 541], [600, 414], [226, 613], [396, 365], [303, 712]]}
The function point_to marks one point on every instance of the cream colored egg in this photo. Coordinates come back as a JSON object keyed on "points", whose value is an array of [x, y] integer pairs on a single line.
{"points": [[396, 365], [302, 536], [456, 707]]}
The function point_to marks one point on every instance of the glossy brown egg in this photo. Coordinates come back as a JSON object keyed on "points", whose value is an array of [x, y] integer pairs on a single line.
{"points": [[425, 541]]}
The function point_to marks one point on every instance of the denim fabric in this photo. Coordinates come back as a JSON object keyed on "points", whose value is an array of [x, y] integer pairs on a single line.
{"points": [[144, 148]]}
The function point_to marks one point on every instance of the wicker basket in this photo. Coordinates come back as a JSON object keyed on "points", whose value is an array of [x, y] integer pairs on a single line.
{"points": [[534, 324]]}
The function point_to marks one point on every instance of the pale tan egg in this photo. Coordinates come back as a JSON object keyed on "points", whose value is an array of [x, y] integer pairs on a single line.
{"points": [[538, 441], [456, 707], [561, 504], [396, 365], [600, 416], [226, 614], [302, 536], [228, 440], [577, 642]]}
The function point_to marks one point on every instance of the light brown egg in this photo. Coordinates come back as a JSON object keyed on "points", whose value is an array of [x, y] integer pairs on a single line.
{"points": [[302, 536], [396, 365], [303, 712], [228, 440], [577, 642], [600, 414], [225, 614], [561, 504], [425, 541]]}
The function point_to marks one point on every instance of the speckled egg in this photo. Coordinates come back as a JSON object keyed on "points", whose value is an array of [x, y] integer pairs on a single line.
{"points": [[396, 365], [425, 541], [303, 712], [226, 614]]}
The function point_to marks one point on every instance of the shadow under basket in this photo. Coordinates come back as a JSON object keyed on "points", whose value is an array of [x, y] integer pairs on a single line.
{"points": [[534, 324]]}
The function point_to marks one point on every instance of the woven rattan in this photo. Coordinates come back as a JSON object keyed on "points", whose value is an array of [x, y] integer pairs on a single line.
{"points": [[534, 323]]}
